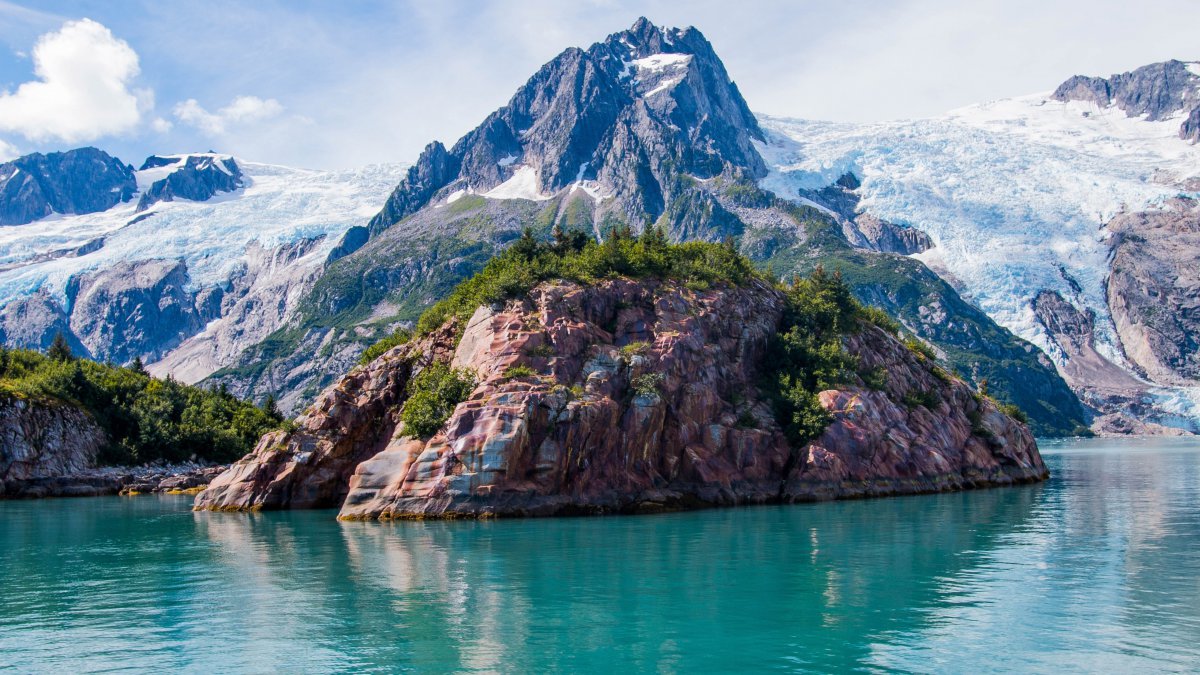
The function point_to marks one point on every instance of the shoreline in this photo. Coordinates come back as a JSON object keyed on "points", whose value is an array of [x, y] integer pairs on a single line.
{"points": [[182, 478]]}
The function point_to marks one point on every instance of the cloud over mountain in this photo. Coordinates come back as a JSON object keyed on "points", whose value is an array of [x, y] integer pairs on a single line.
{"points": [[84, 87]]}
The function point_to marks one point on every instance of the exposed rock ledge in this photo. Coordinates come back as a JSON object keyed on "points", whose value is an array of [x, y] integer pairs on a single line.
{"points": [[578, 439]]}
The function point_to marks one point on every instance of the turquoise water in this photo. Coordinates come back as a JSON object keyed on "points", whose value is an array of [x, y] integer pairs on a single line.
{"points": [[1098, 569]]}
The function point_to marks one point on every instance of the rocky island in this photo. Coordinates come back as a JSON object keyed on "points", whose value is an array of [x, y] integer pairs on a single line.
{"points": [[632, 376]]}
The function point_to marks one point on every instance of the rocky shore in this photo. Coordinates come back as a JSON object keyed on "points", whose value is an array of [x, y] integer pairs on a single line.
{"points": [[624, 397], [184, 478]]}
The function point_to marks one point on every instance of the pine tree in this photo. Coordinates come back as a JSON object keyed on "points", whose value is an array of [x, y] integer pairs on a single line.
{"points": [[271, 407], [59, 349], [137, 366]]}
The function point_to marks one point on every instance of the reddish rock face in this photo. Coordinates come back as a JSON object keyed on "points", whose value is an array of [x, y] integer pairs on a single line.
{"points": [[644, 399]]}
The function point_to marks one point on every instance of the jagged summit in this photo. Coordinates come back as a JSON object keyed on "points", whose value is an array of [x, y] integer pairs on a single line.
{"points": [[648, 102], [83, 180], [1158, 91]]}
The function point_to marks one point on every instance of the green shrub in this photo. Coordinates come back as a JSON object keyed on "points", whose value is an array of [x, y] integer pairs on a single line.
{"points": [[541, 351], [806, 356], [144, 419], [1014, 412], [519, 370], [647, 384], [398, 337], [920, 348], [433, 394], [633, 349], [876, 378], [528, 262], [927, 398], [881, 318]]}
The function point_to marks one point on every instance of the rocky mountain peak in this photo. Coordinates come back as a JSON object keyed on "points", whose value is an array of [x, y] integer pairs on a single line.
{"points": [[83, 180], [649, 103], [196, 177], [1158, 91]]}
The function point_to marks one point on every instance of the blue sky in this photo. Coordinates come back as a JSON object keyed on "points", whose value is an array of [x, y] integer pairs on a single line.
{"points": [[341, 84]]}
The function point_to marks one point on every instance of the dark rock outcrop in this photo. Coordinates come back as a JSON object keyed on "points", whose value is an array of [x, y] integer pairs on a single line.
{"points": [[196, 177], [862, 229], [41, 440], [136, 309], [1158, 91], [1154, 291], [84, 180], [586, 434]]}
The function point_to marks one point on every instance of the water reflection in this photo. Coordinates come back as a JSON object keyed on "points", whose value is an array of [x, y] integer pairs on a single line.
{"points": [[1096, 569]]}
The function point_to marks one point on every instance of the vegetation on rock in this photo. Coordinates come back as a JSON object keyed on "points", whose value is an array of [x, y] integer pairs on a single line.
{"points": [[574, 256], [432, 396], [145, 419]]}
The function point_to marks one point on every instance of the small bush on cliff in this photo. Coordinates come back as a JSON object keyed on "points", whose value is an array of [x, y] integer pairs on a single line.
{"points": [[806, 356], [145, 419], [432, 396], [398, 337], [648, 384], [1014, 412], [577, 257], [518, 371]]}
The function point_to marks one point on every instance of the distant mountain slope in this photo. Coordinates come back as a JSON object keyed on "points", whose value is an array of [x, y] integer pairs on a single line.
{"points": [[85, 180], [203, 256], [1050, 197], [643, 128]]}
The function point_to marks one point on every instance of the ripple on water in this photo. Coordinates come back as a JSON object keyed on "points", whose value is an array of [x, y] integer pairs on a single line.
{"points": [[1093, 570]]}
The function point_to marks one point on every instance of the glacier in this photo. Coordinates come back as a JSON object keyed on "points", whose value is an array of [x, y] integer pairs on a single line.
{"points": [[1015, 194], [278, 205]]}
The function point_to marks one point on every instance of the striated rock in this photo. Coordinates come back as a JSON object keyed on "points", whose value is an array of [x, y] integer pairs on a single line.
{"points": [[133, 309], [645, 398], [40, 440], [1154, 291]]}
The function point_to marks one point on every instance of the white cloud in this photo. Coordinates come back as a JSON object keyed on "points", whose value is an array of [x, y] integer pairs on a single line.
{"points": [[82, 91], [242, 110], [8, 151]]}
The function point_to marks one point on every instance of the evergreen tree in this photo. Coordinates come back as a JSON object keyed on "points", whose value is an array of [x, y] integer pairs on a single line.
{"points": [[59, 349], [271, 407], [137, 366]]}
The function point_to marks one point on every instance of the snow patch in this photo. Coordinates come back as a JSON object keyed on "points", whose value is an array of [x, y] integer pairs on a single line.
{"points": [[456, 195], [659, 62], [663, 86], [508, 161], [522, 185]]}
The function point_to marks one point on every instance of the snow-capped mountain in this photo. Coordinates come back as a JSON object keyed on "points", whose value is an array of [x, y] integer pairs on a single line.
{"points": [[645, 127], [1041, 205], [201, 256]]}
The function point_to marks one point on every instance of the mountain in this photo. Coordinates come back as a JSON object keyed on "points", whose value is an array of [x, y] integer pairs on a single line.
{"points": [[85, 180], [644, 128], [183, 263], [1069, 217]]}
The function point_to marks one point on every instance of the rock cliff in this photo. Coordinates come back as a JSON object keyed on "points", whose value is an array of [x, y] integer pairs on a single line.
{"points": [[40, 440], [626, 396]]}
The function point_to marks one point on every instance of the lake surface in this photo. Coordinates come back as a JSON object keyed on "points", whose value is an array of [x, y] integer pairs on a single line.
{"points": [[1096, 570]]}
